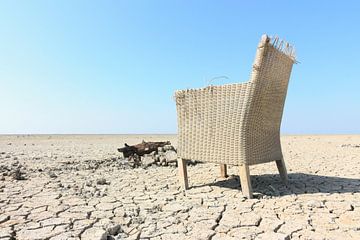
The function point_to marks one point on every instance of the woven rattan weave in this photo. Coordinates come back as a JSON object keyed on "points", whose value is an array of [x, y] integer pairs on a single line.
{"points": [[238, 124]]}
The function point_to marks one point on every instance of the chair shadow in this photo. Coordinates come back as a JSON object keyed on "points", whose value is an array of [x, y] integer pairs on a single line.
{"points": [[299, 183]]}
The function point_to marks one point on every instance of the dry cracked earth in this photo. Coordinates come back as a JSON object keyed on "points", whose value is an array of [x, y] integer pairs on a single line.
{"points": [[75, 187]]}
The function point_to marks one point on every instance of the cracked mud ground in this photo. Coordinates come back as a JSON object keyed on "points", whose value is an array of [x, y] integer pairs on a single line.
{"points": [[73, 187]]}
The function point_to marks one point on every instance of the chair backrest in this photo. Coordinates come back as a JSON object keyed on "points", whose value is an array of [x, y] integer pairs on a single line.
{"points": [[270, 76]]}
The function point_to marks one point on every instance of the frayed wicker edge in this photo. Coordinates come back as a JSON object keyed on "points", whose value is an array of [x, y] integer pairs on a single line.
{"points": [[282, 46]]}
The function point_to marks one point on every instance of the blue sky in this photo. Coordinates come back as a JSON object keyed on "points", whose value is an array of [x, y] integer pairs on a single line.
{"points": [[113, 66]]}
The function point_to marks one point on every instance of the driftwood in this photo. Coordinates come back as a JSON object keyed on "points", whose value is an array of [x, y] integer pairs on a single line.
{"points": [[141, 148]]}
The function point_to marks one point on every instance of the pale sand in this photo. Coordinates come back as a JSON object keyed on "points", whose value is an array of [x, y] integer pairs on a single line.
{"points": [[63, 201]]}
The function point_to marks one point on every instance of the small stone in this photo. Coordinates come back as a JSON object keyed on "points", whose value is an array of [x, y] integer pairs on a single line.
{"points": [[170, 156], [102, 181], [168, 148], [113, 229], [18, 175], [52, 175], [147, 160]]}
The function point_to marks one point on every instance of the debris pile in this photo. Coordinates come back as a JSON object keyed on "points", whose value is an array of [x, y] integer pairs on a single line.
{"points": [[14, 170], [146, 154]]}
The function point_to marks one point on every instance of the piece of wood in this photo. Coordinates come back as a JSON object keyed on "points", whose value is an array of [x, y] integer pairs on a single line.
{"points": [[183, 177], [223, 171], [282, 170], [245, 181], [141, 148]]}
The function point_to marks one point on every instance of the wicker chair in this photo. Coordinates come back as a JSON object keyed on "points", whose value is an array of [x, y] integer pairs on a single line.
{"points": [[237, 124]]}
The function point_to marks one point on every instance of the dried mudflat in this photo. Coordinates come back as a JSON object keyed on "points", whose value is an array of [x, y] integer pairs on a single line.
{"points": [[73, 187]]}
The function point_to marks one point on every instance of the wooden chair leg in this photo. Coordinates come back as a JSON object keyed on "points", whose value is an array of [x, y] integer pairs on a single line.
{"points": [[223, 171], [183, 177], [282, 170], [245, 181]]}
